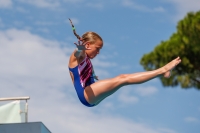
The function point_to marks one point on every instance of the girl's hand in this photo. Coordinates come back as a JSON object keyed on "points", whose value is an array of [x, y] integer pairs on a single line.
{"points": [[81, 45], [96, 77]]}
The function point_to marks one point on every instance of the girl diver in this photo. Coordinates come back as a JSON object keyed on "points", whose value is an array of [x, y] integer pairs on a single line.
{"points": [[91, 93]]}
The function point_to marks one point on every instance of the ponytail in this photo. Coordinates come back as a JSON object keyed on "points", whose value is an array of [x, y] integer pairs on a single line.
{"points": [[73, 28]]}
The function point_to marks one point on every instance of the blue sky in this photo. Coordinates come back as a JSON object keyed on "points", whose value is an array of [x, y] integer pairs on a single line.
{"points": [[36, 41]]}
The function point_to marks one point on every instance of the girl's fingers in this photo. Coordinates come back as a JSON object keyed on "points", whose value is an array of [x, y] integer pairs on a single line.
{"points": [[79, 43], [82, 44]]}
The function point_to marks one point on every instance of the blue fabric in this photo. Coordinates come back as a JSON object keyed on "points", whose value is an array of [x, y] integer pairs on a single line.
{"points": [[78, 87]]}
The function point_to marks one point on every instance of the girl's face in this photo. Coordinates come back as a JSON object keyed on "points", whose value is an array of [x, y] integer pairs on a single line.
{"points": [[94, 48]]}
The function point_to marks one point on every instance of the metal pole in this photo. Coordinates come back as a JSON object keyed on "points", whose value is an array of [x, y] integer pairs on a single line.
{"points": [[14, 98], [26, 111]]}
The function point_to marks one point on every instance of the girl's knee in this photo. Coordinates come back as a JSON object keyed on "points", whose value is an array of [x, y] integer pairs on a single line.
{"points": [[123, 78]]}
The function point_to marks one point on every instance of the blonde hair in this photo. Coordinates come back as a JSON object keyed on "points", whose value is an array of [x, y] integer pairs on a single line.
{"points": [[91, 37], [88, 36]]}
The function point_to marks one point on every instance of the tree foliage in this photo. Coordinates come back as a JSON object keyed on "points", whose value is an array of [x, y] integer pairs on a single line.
{"points": [[185, 43]]}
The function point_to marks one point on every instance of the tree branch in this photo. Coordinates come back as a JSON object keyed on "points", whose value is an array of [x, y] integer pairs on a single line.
{"points": [[196, 80], [197, 68]]}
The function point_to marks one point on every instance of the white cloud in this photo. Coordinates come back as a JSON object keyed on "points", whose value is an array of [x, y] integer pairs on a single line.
{"points": [[75, 21], [43, 3], [44, 30], [134, 5], [22, 10], [126, 97], [146, 91], [51, 4], [95, 5], [183, 7], [37, 67], [103, 64], [5, 3], [191, 119], [98, 4], [44, 23], [100, 65], [165, 130], [1, 23], [73, 1]]}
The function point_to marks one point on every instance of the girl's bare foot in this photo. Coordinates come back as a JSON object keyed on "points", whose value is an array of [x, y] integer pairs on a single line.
{"points": [[167, 74], [168, 68]]}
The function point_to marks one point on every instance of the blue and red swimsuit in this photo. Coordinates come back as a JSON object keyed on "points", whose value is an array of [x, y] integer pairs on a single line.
{"points": [[83, 77]]}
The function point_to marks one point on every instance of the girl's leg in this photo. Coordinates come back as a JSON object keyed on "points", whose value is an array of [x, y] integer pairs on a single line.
{"points": [[99, 90]]}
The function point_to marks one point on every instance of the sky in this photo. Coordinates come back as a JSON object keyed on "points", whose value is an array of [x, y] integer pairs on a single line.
{"points": [[36, 41]]}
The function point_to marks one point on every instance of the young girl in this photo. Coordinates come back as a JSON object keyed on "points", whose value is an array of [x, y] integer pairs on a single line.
{"points": [[91, 93]]}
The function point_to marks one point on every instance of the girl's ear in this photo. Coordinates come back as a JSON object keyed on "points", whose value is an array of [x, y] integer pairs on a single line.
{"points": [[87, 45]]}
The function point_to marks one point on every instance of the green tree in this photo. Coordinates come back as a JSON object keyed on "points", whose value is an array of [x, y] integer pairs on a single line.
{"points": [[185, 43]]}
